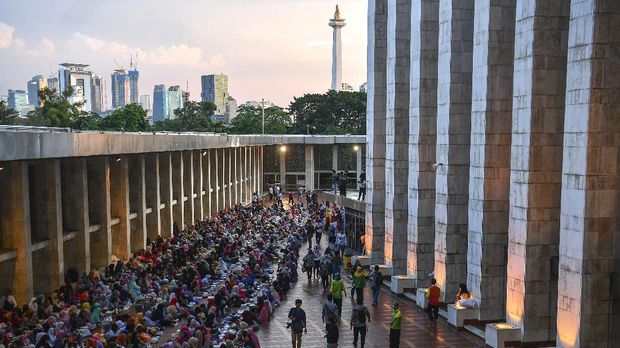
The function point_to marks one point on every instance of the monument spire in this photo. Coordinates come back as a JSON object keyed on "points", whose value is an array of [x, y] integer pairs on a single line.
{"points": [[337, 23]]}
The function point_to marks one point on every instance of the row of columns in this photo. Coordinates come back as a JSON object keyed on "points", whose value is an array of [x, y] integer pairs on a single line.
{"points": [[79, 213], [511, 157]]}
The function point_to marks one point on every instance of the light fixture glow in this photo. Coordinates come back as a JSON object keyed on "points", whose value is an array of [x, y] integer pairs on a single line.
{"points": [[118, 159], [282, 148], [204, 153], [356, 148]]}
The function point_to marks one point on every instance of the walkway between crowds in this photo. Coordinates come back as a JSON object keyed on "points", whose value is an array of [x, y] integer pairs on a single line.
{"points": [[416, 330]]}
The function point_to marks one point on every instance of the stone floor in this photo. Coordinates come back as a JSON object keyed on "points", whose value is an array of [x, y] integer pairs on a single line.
{"points": [[416, 331]]}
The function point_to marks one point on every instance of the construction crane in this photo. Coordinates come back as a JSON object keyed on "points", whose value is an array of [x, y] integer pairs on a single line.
{"points": [[120, 67]]}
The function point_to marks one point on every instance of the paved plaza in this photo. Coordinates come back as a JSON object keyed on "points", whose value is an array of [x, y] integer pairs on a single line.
{"points": [[416, 330]]}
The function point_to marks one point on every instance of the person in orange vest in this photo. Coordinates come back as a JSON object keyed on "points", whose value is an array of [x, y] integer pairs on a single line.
{"points": [[433, 301]]}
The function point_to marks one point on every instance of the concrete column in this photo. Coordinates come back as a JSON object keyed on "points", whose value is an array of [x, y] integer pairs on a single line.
{"points": [[100, 211], [229, 168], [188, 187], [206, 184], [75, 214], [589, 260], [335, 157], [234, 176], [167, 194], [153, 196], [541, 36], [213, 181], [396, 134], [422, 140], [358, 165], [261, 169], [198, 186], [119, 195], [17, 274], [223, 167], [489, 175], [247, 165], [375, 130], [178, 193], [48, 271], [456, 21], [282, 152], [137, 202], [310, 167], [219, 179]]}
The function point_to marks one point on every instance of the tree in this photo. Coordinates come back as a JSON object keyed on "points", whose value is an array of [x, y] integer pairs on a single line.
{"points": [[335, 112], [194, 117], [56, 110], [249, 121], [131, 118], [8, 115]]}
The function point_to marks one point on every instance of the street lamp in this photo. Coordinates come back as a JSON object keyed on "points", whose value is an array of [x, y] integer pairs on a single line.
{"points": [[262, 103]]}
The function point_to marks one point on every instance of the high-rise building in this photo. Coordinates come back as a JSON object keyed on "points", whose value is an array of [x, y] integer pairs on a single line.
{"points": [[36, 84], [215, 90], [120, 89], [185, 97], [231, 108], [52, 83], [18, 100], [134, 96], [79, 78], [160, 103], [96, 95], [175, 100], [145, 101]]}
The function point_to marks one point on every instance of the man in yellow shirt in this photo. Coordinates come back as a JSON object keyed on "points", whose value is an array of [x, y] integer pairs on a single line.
{"points": [[397, 319], [337, 290]]}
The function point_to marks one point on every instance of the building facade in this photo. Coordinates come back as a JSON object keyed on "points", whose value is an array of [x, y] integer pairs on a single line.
{"points": [[497, 116], [78, 77], [97, 94], [145, 101], [215, 90], [160, 103], [18, 100], [134, 93], [120, 89], [36, 84], [175, 100]]}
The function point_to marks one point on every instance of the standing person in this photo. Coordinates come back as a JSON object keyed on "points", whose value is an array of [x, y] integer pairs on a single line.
{"points": [[309, 264], [376, 279], [309, 233], [299, 194], [362, 194], [337, 291], [359, 281], [297, 316], [359, 316], [291, 198], [433, 295], [324, 271], [342, 181], [270, 193], [395, 326], [318, 232], [335, 182]]}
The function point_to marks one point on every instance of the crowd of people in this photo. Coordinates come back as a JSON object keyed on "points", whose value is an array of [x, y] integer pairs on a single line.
{"points": [[211, 285]]}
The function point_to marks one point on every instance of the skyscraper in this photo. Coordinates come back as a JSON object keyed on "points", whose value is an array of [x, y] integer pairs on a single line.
{"points": [[96, 95], [215, 90], [175, 100], [77, 77], [134, 95], [160, 103], [52, 83], [36, 84], [145, 101], [18, 100], [120, 89], [231, 108], [337, 23]]}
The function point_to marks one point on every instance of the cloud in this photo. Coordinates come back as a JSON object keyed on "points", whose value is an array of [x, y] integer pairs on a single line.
{"points": [[173, 55], [6, 35]]}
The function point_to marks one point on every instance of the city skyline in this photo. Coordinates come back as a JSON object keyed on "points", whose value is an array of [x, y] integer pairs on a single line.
{"points": [[290, 56]]}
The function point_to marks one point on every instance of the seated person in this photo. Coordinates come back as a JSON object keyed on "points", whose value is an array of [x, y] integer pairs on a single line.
{"points": [[464, 299]]}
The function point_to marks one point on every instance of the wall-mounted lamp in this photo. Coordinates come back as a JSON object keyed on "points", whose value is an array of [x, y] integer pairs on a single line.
{"points": [[282, 148], [204, 153], [435, 165], [356, 148], [118, 159]]}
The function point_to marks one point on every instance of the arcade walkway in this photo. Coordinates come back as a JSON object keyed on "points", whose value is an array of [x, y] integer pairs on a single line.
{"points": [[417, 330]]}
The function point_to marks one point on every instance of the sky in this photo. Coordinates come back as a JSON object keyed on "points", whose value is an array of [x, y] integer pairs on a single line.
{"points": [[272, 49]]}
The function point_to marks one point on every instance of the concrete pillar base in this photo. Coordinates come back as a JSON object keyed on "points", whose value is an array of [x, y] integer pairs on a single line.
{"points": [[364, 260], [457, 314], [403, 283], [420, 297], [497, 334]]}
